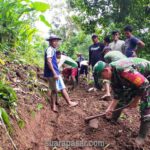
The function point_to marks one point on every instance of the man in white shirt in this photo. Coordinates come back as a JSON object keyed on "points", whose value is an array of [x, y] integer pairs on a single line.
{"points": [[117, 45]]}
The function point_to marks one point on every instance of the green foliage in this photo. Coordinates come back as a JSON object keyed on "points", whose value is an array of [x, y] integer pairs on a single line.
{"points": [[104, 12], [106, 15], [5, 117], [33, 113], [17, 30], [2, 62], [59, 94], [39, 106], [42, 18], [79, 42], [21, 123], [7, 94], [40, 6], [12, 27]]}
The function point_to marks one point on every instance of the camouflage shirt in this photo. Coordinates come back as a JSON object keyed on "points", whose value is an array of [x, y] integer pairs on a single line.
{"points": [[129, 77], [113, 56], [141, 65]]}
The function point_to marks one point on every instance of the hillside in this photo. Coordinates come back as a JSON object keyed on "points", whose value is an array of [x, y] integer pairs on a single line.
{"points": [[38, 125]]}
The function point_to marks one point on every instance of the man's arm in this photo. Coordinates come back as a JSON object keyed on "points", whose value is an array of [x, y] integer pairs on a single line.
{"points": [[111, 107], [138, 42], [141, 44], [50, 65]]}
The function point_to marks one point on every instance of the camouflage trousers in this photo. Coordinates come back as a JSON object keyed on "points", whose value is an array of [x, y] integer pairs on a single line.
{"points": [[144, 107], [145, 103]]}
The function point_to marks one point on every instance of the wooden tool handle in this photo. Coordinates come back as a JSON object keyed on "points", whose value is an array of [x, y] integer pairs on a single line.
{"points": [[103, 114]]}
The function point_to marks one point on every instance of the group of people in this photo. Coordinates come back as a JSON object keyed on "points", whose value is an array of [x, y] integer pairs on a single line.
{"points": [[120, 48], [127, 75], [115, 64]]}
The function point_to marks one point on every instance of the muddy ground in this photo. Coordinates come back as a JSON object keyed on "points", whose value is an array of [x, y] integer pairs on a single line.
{"points": [[41, 125]]}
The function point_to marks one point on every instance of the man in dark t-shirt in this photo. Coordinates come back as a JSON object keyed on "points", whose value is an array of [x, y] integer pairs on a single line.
{"points": [[95, 51], [95, 55], [132, 43]]}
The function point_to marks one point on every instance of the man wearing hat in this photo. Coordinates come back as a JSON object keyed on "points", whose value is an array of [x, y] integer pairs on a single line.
{"points": [[130, 81], [51, 72]]}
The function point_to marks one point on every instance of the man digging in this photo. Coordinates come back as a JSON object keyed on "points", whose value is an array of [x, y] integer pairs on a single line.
{"points": [[130, 81]]}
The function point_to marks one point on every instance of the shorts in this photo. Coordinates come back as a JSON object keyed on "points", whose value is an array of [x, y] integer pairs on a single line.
{"points": [[56, 85], [67, 72]]}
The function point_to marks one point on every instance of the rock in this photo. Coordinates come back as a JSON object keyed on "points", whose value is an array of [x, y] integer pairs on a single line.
{"points": [[93, 123], [120, 131], [92, 89]]}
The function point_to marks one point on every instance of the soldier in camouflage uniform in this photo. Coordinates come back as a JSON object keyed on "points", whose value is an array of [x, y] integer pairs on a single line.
{"points": [[129, 78], [110, 56]]}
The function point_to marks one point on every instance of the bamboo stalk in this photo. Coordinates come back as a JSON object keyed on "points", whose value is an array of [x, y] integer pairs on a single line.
{"points": [[3, 124]]}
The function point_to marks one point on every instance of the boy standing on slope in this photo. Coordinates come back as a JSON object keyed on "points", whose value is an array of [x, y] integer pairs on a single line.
{"points": [[51, 72]]}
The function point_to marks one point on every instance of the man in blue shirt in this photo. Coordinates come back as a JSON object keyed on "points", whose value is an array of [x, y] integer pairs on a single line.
{"points": [[51, 72], [132, 43]]}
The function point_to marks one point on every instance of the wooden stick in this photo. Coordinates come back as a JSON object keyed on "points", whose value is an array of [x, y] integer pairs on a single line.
{"points": [[14, 145], [103, 114]]}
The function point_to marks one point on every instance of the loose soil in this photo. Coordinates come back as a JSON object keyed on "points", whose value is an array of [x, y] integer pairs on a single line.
{"points": [[41, 125]]}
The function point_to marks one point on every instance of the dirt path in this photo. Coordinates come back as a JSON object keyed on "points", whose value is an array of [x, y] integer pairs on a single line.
{"points": [[42, 125], [68, 125]]}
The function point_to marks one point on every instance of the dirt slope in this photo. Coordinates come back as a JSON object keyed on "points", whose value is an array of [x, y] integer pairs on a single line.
{"points": [[42, 125]]}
